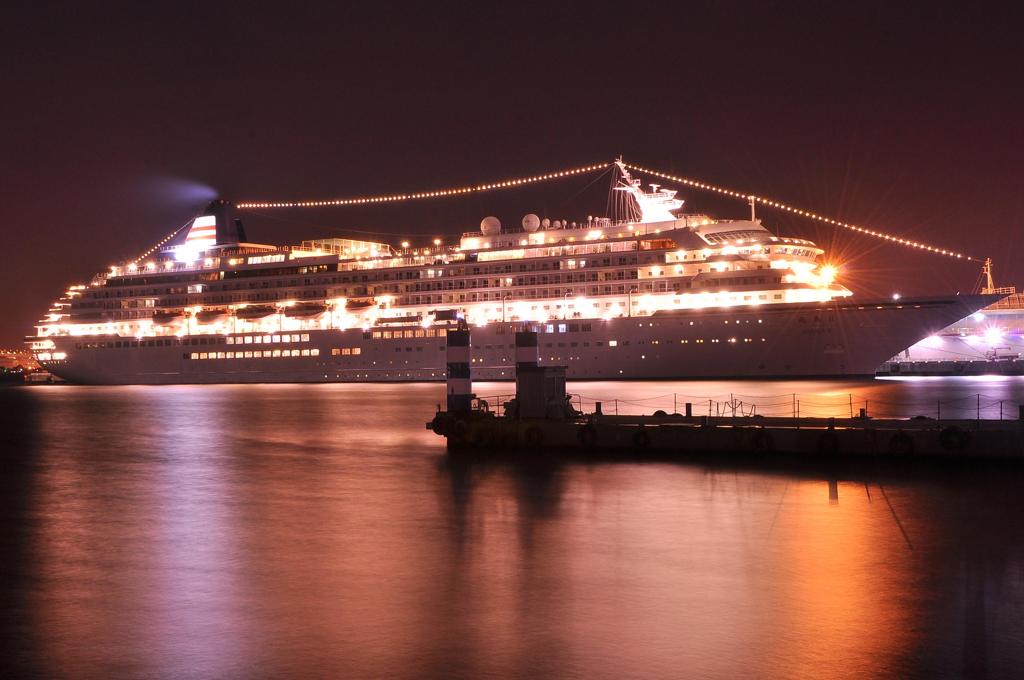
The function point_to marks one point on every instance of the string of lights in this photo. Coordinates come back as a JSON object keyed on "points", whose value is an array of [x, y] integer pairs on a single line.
{"points": [[159, 243], [803, 213], [436, 193], [521, 181]]}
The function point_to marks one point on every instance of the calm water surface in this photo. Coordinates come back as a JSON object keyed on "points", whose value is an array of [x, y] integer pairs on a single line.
{"points": [[321, 531]]}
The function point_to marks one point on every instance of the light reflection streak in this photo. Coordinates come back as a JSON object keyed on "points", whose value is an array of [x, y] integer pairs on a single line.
{"points": [[279, 532]]}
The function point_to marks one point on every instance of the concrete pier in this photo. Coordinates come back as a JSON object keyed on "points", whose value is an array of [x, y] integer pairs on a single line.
{"points": [[812, 436], [541, 418]]}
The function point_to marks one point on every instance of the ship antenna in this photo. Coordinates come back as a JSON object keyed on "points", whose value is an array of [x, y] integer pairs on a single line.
{"points": [[986, 271]]}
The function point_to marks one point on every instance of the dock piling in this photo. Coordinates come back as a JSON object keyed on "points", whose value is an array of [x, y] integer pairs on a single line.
{"points": [[460, 384]]}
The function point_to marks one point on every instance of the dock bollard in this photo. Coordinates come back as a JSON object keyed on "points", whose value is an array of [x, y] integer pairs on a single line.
{"points": [[597, 409], [527, 349], [689, 410], [460, 384]]}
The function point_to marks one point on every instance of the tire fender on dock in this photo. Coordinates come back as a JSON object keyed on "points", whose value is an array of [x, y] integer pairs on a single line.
{"points": [[828, 442], [901, 444], [954, 438], [587, 436], [762, 440], [533, 436]]}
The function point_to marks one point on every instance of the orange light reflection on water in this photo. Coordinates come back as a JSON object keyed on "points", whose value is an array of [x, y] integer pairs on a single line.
{"points": [[320, 530]]}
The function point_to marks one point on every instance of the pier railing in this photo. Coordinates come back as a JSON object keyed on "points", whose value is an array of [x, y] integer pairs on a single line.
{"points": [[790, 405]]}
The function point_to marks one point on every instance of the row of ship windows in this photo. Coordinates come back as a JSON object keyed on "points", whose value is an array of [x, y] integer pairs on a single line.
{"points": [[386, 335], [153, 342], [441, 332], [350, 351], [545, 293], [212, 340], [698, 341], [418, 333], [267, 339], [549, 345], [255, 354], [408, 296]]}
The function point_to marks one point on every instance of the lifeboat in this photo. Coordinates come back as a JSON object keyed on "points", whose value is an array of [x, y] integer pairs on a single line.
{"points": [[257, 312], [211, 316], [167, 318], [400, 319], [91, 317], [306, 309], [360, 303]]}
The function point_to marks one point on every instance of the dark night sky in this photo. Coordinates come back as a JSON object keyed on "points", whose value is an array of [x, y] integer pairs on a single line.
{"points": [[113, 122]]}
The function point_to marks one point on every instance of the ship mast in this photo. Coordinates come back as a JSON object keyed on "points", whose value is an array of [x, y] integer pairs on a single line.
{"points": [[990, 286], [657, 205], [986, 271]]}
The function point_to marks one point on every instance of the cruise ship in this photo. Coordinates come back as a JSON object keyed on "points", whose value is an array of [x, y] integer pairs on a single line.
{"points": [[660, 294]]}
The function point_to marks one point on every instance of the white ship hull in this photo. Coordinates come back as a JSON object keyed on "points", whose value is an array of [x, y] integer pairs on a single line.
{"points": [[771, 341]]}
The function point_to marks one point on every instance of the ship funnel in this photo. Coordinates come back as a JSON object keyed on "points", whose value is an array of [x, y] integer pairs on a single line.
{"points": [[229, 227], [216, 225]]}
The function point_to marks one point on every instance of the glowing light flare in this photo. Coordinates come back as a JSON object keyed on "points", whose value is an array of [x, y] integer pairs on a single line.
{"points": [[804, 272], [993, 334]]}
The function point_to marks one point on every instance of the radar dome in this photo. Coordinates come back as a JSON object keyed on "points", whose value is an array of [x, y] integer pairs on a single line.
{"points": [[531, 222], [545, 223], [490, 225], [557, 224]]}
